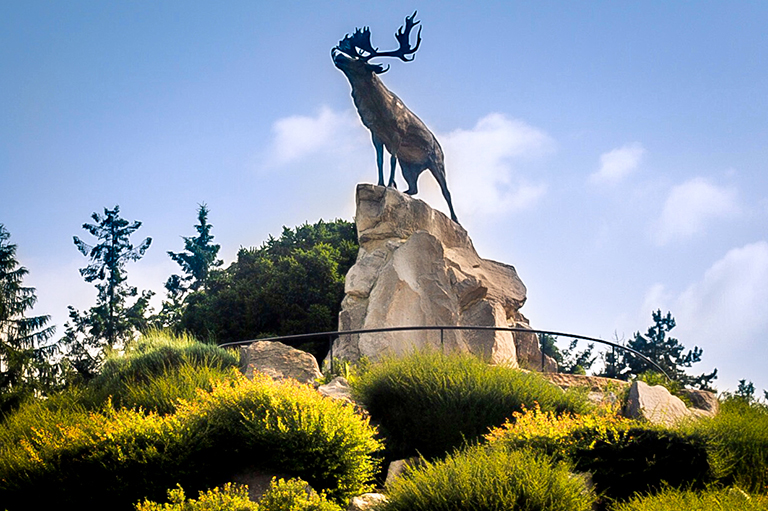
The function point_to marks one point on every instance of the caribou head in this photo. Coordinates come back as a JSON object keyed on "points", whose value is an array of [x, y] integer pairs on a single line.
{"points": [[392, 124], [354, 51]]}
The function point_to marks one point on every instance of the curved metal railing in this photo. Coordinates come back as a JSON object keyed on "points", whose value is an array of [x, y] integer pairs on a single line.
{"points": [[442, 329]]}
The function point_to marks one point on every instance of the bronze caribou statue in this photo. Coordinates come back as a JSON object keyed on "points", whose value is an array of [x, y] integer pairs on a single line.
{"points": [[392, 124]]}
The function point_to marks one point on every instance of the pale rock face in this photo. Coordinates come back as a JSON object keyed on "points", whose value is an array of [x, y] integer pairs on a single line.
{"points": [[416, 267], [278, 361], [655, 404]]}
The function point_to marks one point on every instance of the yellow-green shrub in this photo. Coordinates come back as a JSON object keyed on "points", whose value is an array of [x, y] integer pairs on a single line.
{"points": [[120, 455], [624, 456], [432, 403], [718, 499], [490, 478]]}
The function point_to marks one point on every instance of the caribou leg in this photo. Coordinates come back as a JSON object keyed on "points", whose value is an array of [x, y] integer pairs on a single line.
{"points": [[379, 145], [439, 172], [411, 174], [393, 163]]}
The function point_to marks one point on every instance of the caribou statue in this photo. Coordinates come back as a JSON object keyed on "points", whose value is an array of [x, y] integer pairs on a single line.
{"points": [[392, 124]]}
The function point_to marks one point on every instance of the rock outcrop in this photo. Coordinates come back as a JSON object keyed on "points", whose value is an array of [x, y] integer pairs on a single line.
{"points": [[278, 361], [416, 267], [655, 404]]}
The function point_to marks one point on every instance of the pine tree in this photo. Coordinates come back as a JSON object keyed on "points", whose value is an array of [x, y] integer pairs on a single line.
{"points": [[198, 258], [665, 351], [25, 366], [111, 322]]}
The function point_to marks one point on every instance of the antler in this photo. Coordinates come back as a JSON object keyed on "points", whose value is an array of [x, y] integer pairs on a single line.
{"points": [[359, 43], [403, 36]]}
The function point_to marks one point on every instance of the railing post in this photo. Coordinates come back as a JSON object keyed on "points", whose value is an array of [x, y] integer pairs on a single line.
{"points": [[330, 350], [442, 346]]}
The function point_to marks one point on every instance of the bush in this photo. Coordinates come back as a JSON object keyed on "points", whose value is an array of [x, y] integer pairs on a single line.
{"points": [[737, 443], [721, 499], [157, 370], [481, 478], [86, 459], [431, 403], [294, 495], [624, 456], [291, 495]]}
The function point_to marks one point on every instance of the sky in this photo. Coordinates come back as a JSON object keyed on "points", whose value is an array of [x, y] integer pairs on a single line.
{"points": [[615, 153]]}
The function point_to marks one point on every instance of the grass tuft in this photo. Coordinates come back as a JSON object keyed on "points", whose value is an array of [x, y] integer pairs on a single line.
{"points": [[430, 403], [486, 478], [720, 499]]}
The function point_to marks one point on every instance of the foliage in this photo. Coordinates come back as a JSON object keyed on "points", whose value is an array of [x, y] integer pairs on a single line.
{"points": [[484, 478], [714, 499], [119, 456], [737, 442], [229, 497], [111, 322], [196, 261], [291, 495], [431, 403], [292, 284], [159, 369], [294, 495], [623, 456], [569, 360], [665, 351], [25, 358]]}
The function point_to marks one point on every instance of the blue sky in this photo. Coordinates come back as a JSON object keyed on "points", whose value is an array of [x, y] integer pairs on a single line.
{"points": [[614, 153]]}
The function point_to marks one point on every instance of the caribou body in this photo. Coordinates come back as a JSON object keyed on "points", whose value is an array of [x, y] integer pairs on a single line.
{"points": [[392, 124]]}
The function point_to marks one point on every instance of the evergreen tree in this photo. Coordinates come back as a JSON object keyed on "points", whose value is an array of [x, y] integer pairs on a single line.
{"points": [[665, 351], [198, 258], [25, 366], [569, 360], [112, 321]]}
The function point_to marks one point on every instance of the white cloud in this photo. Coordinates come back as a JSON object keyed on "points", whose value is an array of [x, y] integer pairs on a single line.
{"points": [[617, 164], [691, 206], [479, 167], [480, 170], [725, 313], [299, 137]]}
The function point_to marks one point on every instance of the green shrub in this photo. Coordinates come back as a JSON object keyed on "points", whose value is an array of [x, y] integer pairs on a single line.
{"points": [[737, 442], [230, 497], [624, 456], [119, 456], [157, 370], [721, 499], [485, 478], [294, 495], [431, 403], [291, 495]]}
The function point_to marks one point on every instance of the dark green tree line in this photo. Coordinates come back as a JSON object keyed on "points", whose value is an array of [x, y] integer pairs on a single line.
{"points": [[291, 284]]}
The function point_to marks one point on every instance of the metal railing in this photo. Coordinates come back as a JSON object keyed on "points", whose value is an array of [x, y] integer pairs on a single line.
{"points": [[442, 328]]}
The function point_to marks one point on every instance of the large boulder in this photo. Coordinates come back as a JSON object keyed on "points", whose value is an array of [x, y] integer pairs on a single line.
{"points": [[416, 267], [655, 404], [278, 361]]}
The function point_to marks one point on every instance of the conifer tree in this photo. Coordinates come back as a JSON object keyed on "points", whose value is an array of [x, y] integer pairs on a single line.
{"points": [[198, 258], [25, 366], [112, 321], [665, 351]]}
